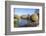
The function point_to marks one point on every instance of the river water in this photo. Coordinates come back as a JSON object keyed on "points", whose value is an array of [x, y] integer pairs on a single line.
{"points": [[23, 22]]}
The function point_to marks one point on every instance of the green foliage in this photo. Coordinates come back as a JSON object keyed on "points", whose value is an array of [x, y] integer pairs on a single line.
{"points": [[16, 22]]}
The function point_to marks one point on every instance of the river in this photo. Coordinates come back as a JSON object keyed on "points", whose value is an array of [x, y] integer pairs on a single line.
{"points": [[23, 22]]}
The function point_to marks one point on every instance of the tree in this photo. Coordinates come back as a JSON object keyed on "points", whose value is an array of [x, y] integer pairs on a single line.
{"points": [[17, 17]]}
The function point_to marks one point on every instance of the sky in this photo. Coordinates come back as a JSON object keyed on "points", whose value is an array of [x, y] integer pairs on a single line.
{"points": [[24, 11]]}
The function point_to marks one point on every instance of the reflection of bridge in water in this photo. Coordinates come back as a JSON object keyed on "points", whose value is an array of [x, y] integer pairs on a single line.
{"points": [[27, 23]]}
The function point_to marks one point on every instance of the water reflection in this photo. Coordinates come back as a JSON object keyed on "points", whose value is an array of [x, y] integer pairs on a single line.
{"points": [[22, 22]]}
